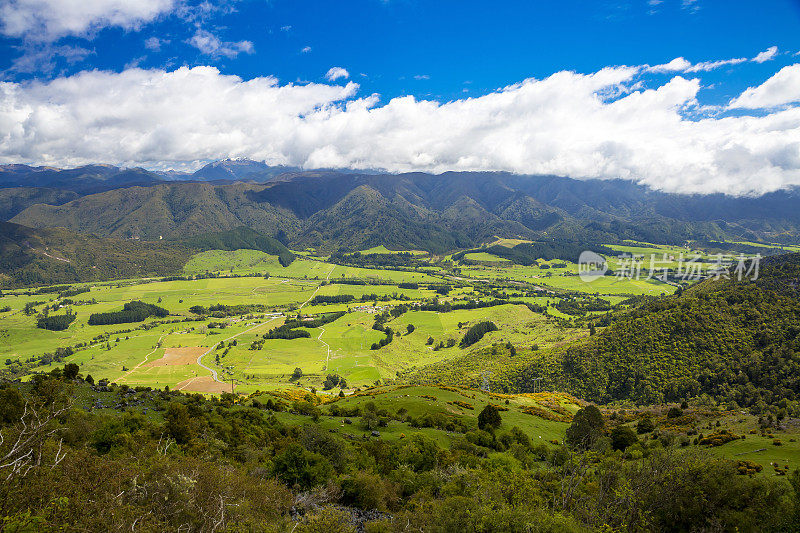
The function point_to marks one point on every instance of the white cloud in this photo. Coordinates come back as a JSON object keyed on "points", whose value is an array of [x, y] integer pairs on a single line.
{"points": [[558, 125], [690, 5], [422, 77], [334, 73], [42, 57], [680, 64], [766, 55], [676, 65], [211, 45], [305, 50], [154, 43], [48, 20], [782, 88], [706, 66]]}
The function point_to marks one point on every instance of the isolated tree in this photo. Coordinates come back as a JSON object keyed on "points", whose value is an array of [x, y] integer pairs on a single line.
{"points": [[369, 418], [489, 419], [71, 371], [622, 437], [298, 373], [587, 426], [410, 329]]}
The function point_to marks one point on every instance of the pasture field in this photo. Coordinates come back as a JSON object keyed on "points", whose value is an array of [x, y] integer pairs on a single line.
{"points": [[143, 353], [252, 261], [453, 403], [565, 278], [562, 275], [384, 250], [128, 353], [486, 257]]}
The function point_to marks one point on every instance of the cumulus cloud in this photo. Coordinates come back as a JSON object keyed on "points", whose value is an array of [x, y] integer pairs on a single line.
{"points": [[782, 88], [48, 20], [334, 73], [766, 55], [565, 124], [209, 44]]}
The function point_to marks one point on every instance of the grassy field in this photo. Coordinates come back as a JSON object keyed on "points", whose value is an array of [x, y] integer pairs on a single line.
{"points": [[127, 352], [384, 250], [140, 353]]}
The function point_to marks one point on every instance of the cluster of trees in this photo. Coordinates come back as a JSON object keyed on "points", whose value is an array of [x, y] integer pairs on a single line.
{"points": [[56, 322], [379, 325], [336, 299], [476, 333], [69, 293], [582, 306], [222, 310], [135, 311], [334, 380], [384, 341], [358, 259], [290, 328]]}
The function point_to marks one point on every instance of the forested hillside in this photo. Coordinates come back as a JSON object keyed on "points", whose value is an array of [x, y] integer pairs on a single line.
{"points": [[31, 257], [241, 238], [171, 211], [341, 211], [738, 342]]}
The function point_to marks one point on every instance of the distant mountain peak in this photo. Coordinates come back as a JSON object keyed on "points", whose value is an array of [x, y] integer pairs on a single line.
{"points": [[240, 169]]}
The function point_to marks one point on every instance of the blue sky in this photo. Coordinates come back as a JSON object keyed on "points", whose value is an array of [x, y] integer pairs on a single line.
{"points": [[99, 83], [444, 49]]}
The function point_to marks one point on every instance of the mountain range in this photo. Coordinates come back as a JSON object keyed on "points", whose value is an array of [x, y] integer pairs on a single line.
{"points": [[343, 210]]}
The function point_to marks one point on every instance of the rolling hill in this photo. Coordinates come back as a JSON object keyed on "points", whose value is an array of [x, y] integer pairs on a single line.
{"points": [[737, 342], [30, 257]]}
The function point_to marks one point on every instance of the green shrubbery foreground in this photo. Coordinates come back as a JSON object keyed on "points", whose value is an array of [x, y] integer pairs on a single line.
{"points": [[196, 464]]}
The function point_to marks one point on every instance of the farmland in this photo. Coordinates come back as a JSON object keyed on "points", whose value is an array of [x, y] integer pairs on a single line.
{"points": [[261, 294]]}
